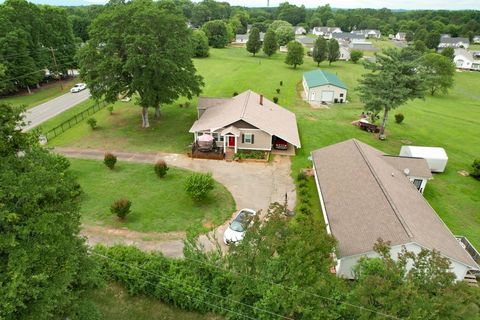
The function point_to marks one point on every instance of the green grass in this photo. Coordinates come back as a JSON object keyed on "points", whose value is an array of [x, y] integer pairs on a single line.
{"points": [[115, 303], [450, 121], [474, 47], [39, 96], [53, 122], [159, 205]]}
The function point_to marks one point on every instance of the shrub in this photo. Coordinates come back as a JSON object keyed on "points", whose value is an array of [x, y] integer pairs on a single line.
{"points": [[399, 118], [110, 109], [187, 104], [303, 192], [275, 99], [198, 185], [305, 201], [302, 184], [235, 93], [305, 209], [161, 168], [121, 207], [281, 83], [476, 169], [110, 160], [278, 90], [92, 122], [302, 175]]}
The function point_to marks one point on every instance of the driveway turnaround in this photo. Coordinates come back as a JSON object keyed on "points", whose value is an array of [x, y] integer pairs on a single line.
{"points": [[252, 185], [52, 108]]}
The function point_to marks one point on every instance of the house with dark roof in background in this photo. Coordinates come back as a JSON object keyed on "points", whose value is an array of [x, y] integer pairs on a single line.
{"points": [[454, 42], [366, 195], [324, 87]]}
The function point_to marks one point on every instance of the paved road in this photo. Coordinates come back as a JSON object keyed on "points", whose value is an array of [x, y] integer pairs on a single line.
{"points": [[52, 108]]}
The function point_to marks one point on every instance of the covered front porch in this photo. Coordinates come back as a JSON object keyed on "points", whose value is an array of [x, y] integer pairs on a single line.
{"points": [[223, 139]]}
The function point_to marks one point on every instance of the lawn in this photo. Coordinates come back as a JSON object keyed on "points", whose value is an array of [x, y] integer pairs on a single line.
{"points": [[159, 205], [451, 121], [41, 95], [115, 303]]}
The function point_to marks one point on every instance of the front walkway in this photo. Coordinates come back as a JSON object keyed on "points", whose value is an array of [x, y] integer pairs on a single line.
{"points": [[252, 185]]}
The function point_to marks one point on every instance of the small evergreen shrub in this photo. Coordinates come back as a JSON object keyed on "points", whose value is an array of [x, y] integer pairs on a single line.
{"points": [[110, 160], [281, 83], [121, 208], [305, 209], [278, 90], [303, 192], [476, 169], [198, 185], [92, 122], [275, 99], [305, 201], [399, 118], [235, 93], [161, 168], [110, 109], [302, 184], [302, 175]]}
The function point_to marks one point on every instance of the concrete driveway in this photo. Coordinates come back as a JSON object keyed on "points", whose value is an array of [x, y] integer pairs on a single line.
{"points": [[252, 185], [52, 108]]}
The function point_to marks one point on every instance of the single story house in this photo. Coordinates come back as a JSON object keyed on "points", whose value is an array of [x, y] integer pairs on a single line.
{"points": [[466, 60], [361, 44], [365, 198], [306, 42], [400, 36], [347, 36], [455, 42], [436, 157], [299, 30], [247, 121], [476, 39], [369, 33], [243, 38], [344, 51], [326, 32], [323, 86]]}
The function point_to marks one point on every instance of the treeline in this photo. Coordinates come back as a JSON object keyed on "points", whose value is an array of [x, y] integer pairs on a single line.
{"points": [[33, 39]]}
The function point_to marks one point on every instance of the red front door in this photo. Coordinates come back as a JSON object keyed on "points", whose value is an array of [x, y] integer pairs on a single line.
{"points": [[231, 141]]}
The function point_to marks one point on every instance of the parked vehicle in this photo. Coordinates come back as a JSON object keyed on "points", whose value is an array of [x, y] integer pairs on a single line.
{"points": [[237, 228], [78, 87], [280, 144], [367, 126]]}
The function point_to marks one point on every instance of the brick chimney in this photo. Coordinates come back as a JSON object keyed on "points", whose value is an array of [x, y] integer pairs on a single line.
{"points": [[261, 99]]}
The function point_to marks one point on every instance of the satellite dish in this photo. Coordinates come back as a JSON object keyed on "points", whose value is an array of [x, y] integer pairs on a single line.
{"points": [[406, 171]]}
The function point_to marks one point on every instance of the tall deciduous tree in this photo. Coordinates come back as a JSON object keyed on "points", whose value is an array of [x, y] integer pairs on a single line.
{"points": [[270, 43], [218, 33], [320, 50], [449, 53], [295, 54], [254, 44], [438, 71], [200, 44], [394, 79], [333, 51], [140, 48], [44, 268], [283, 31]]}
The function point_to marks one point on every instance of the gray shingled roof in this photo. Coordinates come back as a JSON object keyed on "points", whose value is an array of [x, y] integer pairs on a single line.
{"points": [[269, 117], [418, 167], [366, 198], [454, 40]]}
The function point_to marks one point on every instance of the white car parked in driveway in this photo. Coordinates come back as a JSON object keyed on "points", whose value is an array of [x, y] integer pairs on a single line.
{"points": [[78, 87], [237, 228]]}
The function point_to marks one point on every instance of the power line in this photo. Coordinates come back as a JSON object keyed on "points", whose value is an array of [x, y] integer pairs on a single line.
{"points": [[27, 74], [194, 288]]}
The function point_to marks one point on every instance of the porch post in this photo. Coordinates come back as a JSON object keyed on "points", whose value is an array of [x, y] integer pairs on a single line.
{"points": [[194, 136], [236, 143], [224, 144]]}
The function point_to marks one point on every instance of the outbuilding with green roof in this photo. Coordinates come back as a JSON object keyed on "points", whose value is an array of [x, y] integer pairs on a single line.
{"points": [[324, 87]]}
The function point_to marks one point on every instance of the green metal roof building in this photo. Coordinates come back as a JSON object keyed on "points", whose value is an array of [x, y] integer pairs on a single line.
{"points": [[318, 78]]}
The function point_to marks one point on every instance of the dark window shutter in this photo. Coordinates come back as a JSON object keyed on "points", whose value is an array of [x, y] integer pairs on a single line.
{"points": [[243, 138], [253, 137]]}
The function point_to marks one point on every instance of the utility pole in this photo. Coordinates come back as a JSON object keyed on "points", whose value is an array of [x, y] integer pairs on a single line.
{"points": [[56, 66], [268, 3]]}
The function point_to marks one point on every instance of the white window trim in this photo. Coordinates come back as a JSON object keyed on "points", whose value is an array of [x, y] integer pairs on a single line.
{"points": [[250, 138]]}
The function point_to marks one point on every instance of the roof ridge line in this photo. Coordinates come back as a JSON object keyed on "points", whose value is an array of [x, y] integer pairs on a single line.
{"points": [[245, 104], [384, 191]]}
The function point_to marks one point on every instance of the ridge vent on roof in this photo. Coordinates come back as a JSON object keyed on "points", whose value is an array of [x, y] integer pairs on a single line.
{"points": [[384, 190]]}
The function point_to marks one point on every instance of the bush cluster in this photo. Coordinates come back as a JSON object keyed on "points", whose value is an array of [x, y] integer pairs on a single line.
{"points": [[399, 118], [275, 99], [476, 169], [161, 168], [303, 193], [121, 208], [92, 122], [198, 185], [110, 160]]}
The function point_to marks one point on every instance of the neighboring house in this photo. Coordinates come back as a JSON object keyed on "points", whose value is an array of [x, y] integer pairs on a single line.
{"points": [[369, 33], [364, 197], [243, 38], [307, 42], [400, 36], [299, 30], [456, 42], [466, 60], [247, 121], [363, 45], [323, 86], [344, 51], [476, 39], [326, 32], [347, 36]]}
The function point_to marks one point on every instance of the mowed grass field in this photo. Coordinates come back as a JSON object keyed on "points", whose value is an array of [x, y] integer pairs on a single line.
{"points": [[158, 205], [115, 303], [451, 121]]}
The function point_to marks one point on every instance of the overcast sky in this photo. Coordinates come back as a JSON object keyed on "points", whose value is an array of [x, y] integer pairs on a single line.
{"points": [[392, 4]]}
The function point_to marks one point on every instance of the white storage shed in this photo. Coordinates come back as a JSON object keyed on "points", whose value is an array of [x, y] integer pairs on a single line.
{"points": [[436, 157]]}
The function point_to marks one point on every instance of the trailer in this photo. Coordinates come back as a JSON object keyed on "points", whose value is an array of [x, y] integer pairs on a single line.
{"points": [[436, 157]]}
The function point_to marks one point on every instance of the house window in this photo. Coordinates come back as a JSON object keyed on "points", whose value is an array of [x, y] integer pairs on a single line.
{"points": [[247, 138], [417, 183], [341, 95], [217, 136]]}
